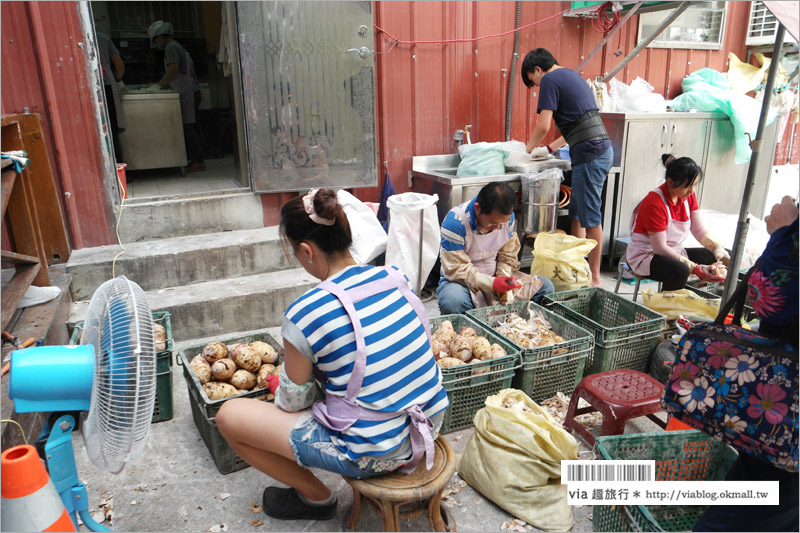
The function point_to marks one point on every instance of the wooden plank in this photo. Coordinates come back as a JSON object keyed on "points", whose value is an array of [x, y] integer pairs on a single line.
{"points": [[9, 177], [15, 290], [48, 208], [20, 259]]}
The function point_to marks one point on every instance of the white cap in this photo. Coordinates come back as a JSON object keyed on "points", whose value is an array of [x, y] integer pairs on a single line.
{"points": [[157, 28]]}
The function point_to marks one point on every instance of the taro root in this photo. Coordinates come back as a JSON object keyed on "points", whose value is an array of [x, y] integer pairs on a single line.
{"points": [[223, 369], [481, 348], [214, 351], [445, 336], [244, 357], [461, 348], [161, 336], [266, 352], [216, 390], [497, 351], [440, 349], [201, 368], [477, 371], [265, 370], [447, 362], [242, 379], [467, 331]]}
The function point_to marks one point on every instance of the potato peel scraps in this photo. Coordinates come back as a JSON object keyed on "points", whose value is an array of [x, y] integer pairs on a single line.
{"points": [[256, 523], [557, 408], [255, 508]]}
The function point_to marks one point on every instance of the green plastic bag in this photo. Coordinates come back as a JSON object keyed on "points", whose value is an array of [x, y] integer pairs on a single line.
{"points": [[482, 160], [514, 459]]}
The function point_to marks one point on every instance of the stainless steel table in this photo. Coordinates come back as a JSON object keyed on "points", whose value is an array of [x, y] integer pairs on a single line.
{"points": [[153, 137]]}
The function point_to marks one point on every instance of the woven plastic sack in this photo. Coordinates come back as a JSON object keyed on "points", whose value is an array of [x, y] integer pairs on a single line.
{"points": [[514, 459], [562, 259], [413, 230], [681, 302]]}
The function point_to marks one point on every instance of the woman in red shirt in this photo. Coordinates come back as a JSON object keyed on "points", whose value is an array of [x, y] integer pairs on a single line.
{"points": [[662, 221]]}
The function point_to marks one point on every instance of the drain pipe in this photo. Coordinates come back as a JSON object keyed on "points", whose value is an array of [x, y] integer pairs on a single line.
{"points": [[513, 73]]}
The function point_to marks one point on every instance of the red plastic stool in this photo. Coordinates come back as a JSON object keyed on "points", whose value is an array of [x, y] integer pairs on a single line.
{"points": [[619, 395]]}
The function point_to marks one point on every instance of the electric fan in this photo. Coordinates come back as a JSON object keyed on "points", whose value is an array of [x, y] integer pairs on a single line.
{"points": [[109, 380]]}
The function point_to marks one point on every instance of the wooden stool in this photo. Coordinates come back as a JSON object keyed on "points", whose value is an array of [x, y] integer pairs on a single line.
{"points": [[623, 267], [619, 395], [418, 491]]}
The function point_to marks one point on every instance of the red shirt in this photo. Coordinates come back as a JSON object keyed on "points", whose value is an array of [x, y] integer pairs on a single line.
{"points": [[652, 216]]}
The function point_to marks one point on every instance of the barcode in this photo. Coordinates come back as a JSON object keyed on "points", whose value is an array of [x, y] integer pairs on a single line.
{"points": [[572, 471]]}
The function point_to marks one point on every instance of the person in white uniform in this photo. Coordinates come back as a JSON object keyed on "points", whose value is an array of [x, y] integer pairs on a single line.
{"points": [[662, 222], [181, 78]]}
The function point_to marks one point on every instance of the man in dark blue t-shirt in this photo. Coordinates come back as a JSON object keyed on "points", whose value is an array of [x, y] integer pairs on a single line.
{"points": [[566, 98]]}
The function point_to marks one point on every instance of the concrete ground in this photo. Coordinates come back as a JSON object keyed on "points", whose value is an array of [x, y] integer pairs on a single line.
{"points": [[175, 485]]}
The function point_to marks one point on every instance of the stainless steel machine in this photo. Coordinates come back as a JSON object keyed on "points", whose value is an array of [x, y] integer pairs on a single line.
{"points": [[153, 137]]}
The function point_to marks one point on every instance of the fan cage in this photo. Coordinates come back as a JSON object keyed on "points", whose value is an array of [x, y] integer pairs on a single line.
{"points": [[119, 325]]}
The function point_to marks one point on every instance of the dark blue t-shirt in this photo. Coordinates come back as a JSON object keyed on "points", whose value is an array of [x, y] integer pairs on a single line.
{"points": [[564, 92]]}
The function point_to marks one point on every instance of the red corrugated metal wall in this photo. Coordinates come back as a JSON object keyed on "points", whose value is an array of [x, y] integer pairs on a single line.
{"points": [[44, 71]]}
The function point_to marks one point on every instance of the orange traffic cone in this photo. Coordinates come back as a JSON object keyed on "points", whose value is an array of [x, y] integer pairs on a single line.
{"points": [[29, 499]]}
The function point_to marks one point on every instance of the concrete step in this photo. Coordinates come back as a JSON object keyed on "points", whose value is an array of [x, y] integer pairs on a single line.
{"points": [[218, 307], [151, 219], [180, 260]]}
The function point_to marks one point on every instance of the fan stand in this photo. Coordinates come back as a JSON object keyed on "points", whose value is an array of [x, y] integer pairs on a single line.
{"points": [[60, 458]]}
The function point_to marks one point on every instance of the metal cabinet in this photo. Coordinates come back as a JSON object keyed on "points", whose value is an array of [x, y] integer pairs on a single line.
{"points": [[153, 136]]}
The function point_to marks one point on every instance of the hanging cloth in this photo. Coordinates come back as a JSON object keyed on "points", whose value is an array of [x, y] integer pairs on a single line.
{"points": [[383, 210]]}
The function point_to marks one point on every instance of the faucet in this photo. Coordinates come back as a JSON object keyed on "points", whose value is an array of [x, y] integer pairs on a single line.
{"points": [[466, 133], [458, 138]]}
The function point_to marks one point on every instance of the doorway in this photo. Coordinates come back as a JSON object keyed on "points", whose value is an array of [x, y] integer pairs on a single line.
{"points": [[152, 143]]}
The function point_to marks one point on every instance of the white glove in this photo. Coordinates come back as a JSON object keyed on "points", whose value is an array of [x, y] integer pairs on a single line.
{"points": [[540, 151], [721, 254]]}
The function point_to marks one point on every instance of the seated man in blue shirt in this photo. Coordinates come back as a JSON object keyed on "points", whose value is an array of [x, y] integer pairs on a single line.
{"points": [[479, 255]]}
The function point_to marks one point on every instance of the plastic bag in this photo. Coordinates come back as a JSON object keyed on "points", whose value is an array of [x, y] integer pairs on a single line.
{"points": [[481, 159], [681, 302], [369, 237], [514, 459], [638, 97], [601, 96], [38, 295], [562, 259], [407, 238]]}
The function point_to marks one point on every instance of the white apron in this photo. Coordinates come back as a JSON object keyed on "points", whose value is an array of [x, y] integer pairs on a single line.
{"points": [[186, 86], [640, 251], [482, 250]]}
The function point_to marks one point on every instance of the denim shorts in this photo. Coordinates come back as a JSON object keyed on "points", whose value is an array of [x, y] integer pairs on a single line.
{"points": [[312, 446], [587, 190]]}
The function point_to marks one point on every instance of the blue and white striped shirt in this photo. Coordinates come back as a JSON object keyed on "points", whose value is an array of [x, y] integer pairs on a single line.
{"points": [[401, 370]]}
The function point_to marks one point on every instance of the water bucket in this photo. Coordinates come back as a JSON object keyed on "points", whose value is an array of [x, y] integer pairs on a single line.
{"points": [[540, 193], [123, 184]]}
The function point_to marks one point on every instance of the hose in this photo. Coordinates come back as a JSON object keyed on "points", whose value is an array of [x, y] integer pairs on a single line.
{"points": [[602, 22], [513, 73]]}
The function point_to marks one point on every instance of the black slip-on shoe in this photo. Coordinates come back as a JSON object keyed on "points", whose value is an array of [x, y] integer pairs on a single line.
{"points": [[285, 504]]}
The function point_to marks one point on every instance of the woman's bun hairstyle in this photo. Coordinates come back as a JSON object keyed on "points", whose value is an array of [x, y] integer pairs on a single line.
{"points": [[681, 170], [297, 226]]}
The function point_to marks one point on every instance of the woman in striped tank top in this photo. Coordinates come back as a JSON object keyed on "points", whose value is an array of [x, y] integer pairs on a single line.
{"points": [[365, 335]]}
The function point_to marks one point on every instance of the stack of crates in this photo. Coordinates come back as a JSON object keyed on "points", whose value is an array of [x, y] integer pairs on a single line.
{"points": [[163, 406], [204, 410], [545, 370], [625, 333], [468, 386], [679, 456]]}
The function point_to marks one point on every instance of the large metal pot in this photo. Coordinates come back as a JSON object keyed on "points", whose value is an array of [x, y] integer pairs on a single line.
{"points": [[540, 200]]}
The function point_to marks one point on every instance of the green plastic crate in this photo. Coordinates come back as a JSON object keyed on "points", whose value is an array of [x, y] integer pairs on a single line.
{"points": [[680, 456], [467, 391], [625, 332], [163, 409], [543, 373], [210, 407]]}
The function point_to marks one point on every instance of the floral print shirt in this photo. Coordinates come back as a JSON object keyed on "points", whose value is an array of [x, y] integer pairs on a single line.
{"points": [[773, 286]]}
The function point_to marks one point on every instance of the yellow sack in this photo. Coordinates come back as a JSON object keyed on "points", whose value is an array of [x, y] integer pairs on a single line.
{"points": [[681, 302], [514, 459], [562, 259]]}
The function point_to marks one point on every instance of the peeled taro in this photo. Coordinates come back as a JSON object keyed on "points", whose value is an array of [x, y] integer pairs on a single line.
{"points": [[214, 351], [481, 348], [461, 348]]}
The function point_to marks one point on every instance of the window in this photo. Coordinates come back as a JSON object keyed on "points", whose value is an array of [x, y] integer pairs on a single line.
{"points": [[701, 26], [763, 26]]}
